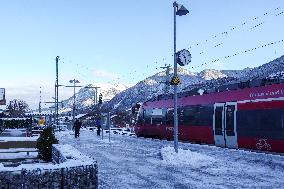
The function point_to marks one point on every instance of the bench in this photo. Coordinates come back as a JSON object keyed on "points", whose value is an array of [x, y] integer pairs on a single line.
{"points": [[15, 150]]}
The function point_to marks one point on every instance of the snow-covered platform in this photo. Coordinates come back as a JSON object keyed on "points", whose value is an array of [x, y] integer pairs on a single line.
{"points": [[130, 162]]}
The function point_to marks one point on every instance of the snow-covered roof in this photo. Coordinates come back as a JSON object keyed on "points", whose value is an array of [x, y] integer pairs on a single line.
{"points": [[14, 118], [80, 115]]}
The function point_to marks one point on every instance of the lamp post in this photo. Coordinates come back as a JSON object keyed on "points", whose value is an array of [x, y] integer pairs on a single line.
{"points": [[74, 81], [178, 10], [56, 94]]}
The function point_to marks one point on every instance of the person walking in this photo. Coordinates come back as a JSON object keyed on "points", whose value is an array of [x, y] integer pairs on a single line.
{"points": [[98, 124], [76, 127]]}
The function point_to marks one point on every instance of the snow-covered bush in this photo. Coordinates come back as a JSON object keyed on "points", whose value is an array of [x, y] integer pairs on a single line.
{"points": [[44, 144]]}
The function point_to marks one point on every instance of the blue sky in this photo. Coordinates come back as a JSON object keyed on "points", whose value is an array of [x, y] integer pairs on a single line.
{"points": [[124, 41]]}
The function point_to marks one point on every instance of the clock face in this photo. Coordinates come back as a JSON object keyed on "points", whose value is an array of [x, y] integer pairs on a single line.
{"points": [[183, 57]]}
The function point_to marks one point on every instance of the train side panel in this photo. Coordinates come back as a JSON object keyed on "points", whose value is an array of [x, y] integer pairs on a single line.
{"points": [[260, 125]]}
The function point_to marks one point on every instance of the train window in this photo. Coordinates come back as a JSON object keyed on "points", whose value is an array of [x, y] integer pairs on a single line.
{"points": [[198, 115], [218, 121], [170, 116], [261, 123], [230, 120], [155, 116], [147, 118], [282, 121]]}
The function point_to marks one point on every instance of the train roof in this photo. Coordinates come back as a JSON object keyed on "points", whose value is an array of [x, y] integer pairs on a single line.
{"points": [[201, 89]]}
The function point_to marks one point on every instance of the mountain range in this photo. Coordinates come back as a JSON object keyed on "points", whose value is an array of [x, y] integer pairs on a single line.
{"points": [[121, 97]]}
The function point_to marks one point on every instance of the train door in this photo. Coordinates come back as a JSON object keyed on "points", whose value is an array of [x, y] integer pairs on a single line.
{"points": [[230, 125], [218, 124], [224, 123]]}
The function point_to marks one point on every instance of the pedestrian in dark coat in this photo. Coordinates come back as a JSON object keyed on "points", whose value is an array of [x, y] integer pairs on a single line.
{"points": [[98, 124], [76, 127]]}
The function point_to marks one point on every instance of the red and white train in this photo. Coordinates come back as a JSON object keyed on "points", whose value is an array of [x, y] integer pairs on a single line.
{"points": [[250, 118]]}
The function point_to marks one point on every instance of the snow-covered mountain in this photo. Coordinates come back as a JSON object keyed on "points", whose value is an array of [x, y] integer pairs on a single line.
{"points": [[154, 85], [85, 97], [122, 98]]}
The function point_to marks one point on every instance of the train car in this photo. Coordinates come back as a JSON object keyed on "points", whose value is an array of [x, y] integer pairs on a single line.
{"points": [[249, 117]]}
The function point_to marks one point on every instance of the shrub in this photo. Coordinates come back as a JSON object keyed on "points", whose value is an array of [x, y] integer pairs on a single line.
{"points": [[44, 144]]}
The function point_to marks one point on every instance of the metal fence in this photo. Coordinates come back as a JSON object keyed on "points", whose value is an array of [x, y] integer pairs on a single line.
{"points": [[81, 177]]}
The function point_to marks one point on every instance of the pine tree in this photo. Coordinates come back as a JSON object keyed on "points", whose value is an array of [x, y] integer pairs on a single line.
{"points": [[44, 144]]}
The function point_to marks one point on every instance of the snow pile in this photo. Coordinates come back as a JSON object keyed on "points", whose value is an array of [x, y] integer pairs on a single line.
{"points": [[16, 132], [70, 153], [185, 157]]}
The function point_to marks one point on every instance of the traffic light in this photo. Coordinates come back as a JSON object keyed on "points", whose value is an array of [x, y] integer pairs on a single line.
{"points": [[100, 98], [133, 110]]}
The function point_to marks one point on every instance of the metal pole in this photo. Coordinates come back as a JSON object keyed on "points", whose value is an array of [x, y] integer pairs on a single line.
{"points": [[54, 105], [39, 105], [74, 103], [168, 80], [108, 122], [175, 86], [56, 97], [96, 96]]}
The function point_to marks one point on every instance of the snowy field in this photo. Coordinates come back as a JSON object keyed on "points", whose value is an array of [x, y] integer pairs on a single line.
{"points": [[130, 162]]}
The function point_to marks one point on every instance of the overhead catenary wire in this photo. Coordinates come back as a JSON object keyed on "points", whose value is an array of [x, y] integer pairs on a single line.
{"points": [[133, 75], [244, 23], [239, 53]]}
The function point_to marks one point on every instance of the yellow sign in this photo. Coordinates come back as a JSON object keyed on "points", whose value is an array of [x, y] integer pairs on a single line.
{"points": [[41, 121], [175, 80]]}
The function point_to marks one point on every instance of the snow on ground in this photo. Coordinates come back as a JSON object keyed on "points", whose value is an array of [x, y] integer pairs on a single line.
{"points": [[185, 157], [5, 139], [130, 162], [72, 154], [8, 156]]}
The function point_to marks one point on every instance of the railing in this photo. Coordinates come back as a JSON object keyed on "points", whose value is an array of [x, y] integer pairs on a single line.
{"points": [[71, 177]]}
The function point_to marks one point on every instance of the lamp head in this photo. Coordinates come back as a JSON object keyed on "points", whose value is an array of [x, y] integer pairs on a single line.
{"points": [[181, 10]]}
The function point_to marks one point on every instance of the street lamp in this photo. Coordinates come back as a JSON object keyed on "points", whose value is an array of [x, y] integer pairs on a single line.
{"points": [[178, 10], [74, 81]]}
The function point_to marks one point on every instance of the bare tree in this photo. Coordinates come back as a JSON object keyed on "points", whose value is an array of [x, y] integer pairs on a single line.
{"points": [[17, 108]]}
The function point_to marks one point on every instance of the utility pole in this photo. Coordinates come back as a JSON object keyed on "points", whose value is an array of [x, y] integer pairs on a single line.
{"points": [[167, 82], [74, 103], [39, 104], [56, 93], [55, 105]]}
